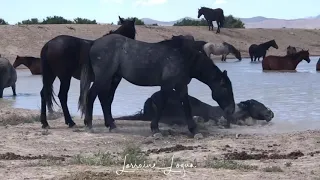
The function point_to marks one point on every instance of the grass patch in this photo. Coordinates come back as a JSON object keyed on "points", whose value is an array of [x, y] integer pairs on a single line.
{"points": [[212, 162], [272, 169], [133, 154]]}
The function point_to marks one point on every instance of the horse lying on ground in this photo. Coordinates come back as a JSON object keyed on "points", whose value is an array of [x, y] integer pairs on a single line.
{"points": [[173, 112], [8, 76], [257, 51], [223, 49], [170, 64], [33, 63], [62, 57], [288, 62], [212, 15], [291, 50]]}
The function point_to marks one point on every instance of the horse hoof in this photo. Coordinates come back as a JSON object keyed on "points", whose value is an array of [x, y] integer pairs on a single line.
{"points": [[45, 127], [157, 135], [89, 130], [72, 125], [114, 130], [198, 136]]}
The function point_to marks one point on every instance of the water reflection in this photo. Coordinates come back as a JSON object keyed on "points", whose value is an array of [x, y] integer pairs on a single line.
{"points": [[294, 97]]}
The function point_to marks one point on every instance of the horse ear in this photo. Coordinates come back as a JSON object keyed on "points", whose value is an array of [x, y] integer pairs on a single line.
{"points": [[225, 72], [120, 19], [134, 19]]}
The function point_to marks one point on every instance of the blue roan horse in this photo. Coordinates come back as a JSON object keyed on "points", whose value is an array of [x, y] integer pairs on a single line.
{"points": [[221, 49], [170, 64]]}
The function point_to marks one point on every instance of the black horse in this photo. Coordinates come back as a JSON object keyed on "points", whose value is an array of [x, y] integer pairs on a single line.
{"points": [[62, 57], [170, 64], [212, 15], [260, 50]]}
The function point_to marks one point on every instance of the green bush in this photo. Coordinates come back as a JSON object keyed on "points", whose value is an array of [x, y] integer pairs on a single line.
{"points": [[3, 22], [58, 20], [230, 22]]}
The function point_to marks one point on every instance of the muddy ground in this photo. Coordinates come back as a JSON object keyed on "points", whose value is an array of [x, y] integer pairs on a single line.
{"points": [[29, 152]]}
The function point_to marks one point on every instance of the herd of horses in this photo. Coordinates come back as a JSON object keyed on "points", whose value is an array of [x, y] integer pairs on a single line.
{"points": [[170, 64]]}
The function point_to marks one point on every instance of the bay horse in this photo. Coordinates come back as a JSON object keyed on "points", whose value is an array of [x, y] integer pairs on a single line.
{"points": [[33, 63], [170, 64], [257, 51], [287, 62], [318, 65], [291, 50], [223, 49], [62, 57], [212, 15], [8, 76]]}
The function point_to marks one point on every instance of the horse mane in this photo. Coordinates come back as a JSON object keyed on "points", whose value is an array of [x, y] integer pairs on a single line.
{"points": [[124, 30], [233, 49]]}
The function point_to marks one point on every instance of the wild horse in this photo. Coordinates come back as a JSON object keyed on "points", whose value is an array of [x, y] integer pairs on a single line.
{"points": [[212, 15], [62, 57], [170, 64], [288, 62], [33, 63], [223, 49], [291, 50], [260, 50]]}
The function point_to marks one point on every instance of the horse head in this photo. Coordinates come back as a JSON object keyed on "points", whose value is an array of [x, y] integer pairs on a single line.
{"points": [[304, 54], [200, 12], [274, 44], [256, 110]]}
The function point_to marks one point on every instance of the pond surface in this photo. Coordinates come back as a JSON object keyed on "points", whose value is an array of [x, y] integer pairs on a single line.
{"points": [[294, 97]]}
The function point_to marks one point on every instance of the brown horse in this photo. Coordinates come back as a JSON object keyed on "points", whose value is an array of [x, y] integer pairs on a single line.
{"points": [[288, 62], [33, 63], [291, 50]]}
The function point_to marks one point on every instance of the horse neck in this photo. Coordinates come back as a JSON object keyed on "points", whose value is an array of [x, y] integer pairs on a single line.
{"points": [[128, 32], [297, 58], [266, 45], [204, 69], [25, 62]]}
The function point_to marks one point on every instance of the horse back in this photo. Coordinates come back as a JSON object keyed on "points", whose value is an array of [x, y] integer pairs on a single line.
{"points": [[8, 74]]}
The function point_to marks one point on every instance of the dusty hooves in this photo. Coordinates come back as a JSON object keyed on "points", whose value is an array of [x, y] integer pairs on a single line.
{"points": [[89, 129], [198, 136], [157, 135], [114, 130]]}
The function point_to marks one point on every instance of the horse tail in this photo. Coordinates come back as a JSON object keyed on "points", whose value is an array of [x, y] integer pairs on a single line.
{"points": [[47, 74], [139, 116], [85, 82]]}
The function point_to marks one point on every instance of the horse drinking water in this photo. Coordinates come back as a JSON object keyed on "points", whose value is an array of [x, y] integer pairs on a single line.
{"points": [[33, 63], [212, 15], [288, 62], [62, 57], [8, 76], [257, 51], [221, 49], [170, 64]]}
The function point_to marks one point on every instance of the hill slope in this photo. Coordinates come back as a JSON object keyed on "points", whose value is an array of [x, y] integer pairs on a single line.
{"points": [[28, 40]]}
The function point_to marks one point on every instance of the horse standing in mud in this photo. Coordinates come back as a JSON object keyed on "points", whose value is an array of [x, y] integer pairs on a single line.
{"points": [[8, 76], [288, 62], [62, 57], [257, 51], [33, 63], [170, 64], [291, 50], [221, 49], [212, 15]]}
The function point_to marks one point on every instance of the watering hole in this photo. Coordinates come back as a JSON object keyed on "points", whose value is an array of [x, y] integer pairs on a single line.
{"points": [[293, 97]]}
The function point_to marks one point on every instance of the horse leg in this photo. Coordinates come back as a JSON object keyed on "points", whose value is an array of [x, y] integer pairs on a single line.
{"points": [[43, 116], [158, 104], [92, 94], [108, 98], [222, 57], [13, 87], [184, 99], [63, 96], [218, 29], [1, 92]]}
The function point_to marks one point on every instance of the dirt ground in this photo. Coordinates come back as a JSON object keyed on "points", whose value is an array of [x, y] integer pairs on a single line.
{"points": [[29, 152], [27, 40]]}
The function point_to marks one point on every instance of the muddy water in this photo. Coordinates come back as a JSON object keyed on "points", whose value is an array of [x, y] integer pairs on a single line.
{"points": [[294, 97]]}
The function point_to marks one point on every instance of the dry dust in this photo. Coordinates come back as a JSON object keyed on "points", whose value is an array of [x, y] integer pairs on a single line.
{"points": [[29, 152]]}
